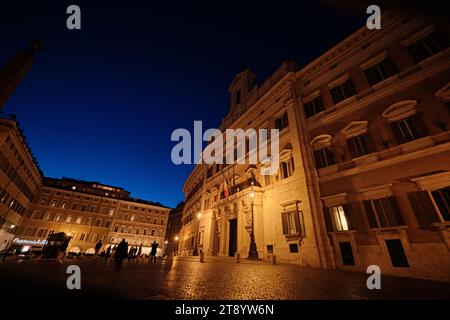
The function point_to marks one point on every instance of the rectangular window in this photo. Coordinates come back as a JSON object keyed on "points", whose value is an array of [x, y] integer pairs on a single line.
{"points": [[397, 253], [383, 213], [346, 253], [78, 220], [291, 223], [381, 71], [338, 218], [293, 248], [68, 218], [314, 106], [423, 208], [324, 157], [408, 129], [359, 145], [282, 122], [287, 168], [442, 199], [343, 91], [269, 248], [428, 46]]}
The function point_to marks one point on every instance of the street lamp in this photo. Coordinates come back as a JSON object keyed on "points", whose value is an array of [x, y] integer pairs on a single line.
{"points": [[177, 244], [253, 252], [195, 253]]}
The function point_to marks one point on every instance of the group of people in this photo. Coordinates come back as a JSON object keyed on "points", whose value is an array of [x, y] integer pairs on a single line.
{"points": [[121, 252]]}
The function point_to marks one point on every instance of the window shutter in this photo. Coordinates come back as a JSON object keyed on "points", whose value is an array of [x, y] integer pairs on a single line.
{"points": [[370, 214], [351, 148], [367, 143], [328, 222], [285, 120], [297, 222], [284, 223], [397, 133], [331, 159], [420, 126], [423, 208], [396, 211], [348, 216]]}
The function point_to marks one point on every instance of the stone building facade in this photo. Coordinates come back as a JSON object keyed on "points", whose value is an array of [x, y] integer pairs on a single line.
{"points": [[364, 174], [90, 212], [20, 178]]}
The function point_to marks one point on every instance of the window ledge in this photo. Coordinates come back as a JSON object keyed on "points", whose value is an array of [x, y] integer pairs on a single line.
{"points": [[386, 82], [342, 232], [368, 158], [387, 229], [327, 170], [292, 237], [417, 144], [442, 225], [343, 103]]}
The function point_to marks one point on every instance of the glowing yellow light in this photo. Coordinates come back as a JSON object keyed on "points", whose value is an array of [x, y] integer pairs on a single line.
{"points": [[252, 195], [176, 238]]}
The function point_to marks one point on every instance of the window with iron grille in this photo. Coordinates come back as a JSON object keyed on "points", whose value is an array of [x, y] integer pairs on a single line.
{"points": [[381, 71], [343, 91], [408, 129], [428, 46], [324, 157], [359, 145], [314, 106], [383, 213], [282, 122]]}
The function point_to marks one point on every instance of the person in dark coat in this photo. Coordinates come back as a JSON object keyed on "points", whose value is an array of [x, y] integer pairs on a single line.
{"points": [[108, 253], [153, 251], [98, 246], [121, 253]]}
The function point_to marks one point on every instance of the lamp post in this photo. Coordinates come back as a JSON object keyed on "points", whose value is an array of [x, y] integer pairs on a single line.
{"points": [[195, 253], [253, 252], [177, 244]]}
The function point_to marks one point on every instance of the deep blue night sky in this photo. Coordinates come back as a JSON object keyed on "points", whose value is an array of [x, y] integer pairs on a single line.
{"points": [[100, 103]]}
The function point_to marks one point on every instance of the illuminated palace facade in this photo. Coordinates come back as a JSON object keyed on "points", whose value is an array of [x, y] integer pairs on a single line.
{"points": [[364, 174]]}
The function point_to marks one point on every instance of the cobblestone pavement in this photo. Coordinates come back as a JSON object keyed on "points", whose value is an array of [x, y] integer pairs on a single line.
{"points": [[217, 278]]}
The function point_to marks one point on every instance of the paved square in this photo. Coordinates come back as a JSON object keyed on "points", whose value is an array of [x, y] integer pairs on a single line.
{"points": [[217, 278]]}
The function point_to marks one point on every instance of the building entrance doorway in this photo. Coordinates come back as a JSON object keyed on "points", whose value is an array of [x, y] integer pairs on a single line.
{"points": [[232, 245]]}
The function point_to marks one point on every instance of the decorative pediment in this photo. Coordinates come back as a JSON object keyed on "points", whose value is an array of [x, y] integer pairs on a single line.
{"points": [[400, 110], [444, 93], [321, 141], [355, 128]]}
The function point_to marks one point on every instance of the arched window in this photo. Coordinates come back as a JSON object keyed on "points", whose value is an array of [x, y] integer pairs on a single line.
{"points": [[323, 153], [286, 162]]}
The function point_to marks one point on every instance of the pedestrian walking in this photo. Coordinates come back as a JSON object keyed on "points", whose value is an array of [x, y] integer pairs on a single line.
{"points": [[153, 251], [62, 251], [202, 256], [108, 253], [98, 246], [121, 253], [4, 249]]}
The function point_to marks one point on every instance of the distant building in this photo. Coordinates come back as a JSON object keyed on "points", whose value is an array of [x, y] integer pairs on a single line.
{"points": [[20, 178], [364, 162], [173, 229], [90, 212]]}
